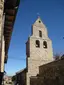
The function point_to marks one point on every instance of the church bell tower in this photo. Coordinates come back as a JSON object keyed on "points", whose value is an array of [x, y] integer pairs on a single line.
{"points": [[38, 49]]}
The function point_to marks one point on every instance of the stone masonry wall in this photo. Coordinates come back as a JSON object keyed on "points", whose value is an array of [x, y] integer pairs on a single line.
{"points": [[50, 74], [38, 55]]}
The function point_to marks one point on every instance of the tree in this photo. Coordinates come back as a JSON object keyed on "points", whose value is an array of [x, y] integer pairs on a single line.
{"points": [[13, 78], [57, 57], [62, 57]]}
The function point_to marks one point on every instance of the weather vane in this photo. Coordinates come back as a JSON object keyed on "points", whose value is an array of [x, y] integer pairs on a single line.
{"points": [[38, 14]]}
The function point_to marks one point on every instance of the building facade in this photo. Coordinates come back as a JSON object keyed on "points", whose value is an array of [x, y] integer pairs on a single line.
{"points": [[8, 11], [7, 80], [2, 41], [21, 77], [38, 49]]}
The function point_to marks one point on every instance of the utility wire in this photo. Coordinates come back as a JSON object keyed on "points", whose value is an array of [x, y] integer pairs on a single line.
{"points": [[23, 59], [14, 58]]}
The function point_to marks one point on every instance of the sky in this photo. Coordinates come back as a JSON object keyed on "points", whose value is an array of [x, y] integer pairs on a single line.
{"points": [[51, 13]]}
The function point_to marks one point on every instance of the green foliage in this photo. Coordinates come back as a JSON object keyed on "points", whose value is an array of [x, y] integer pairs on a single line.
{"points": [[13, 78], [10, 82]]}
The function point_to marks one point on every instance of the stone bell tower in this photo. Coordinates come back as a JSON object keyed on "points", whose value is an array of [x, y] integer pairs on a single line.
{"points": [[38, 49]]}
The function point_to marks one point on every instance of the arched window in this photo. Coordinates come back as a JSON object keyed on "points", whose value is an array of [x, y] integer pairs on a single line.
{"points": [[37, 43], [40, 33], [45, 44]]}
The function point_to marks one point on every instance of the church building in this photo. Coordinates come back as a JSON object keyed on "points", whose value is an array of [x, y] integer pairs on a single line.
{"points": [[38, 52]]}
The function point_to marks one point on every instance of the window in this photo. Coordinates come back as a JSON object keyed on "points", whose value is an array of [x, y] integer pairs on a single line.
{"points": [[45, 44], [37, 43], [40, 33]]}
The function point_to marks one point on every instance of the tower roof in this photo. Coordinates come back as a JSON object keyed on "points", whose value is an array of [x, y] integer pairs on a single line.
{"points": [[39, 23]]}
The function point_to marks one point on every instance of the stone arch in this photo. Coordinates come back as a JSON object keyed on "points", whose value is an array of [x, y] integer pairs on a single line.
{"points": [[45, 44], [37, 43]]}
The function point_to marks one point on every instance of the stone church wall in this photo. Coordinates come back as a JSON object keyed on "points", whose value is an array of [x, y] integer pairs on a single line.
{"points": [[50, 74]]}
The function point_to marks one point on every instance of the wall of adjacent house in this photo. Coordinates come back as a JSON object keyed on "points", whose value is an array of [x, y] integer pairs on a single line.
{"points": [[3, 55], [1, 36], [21, 78]]}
